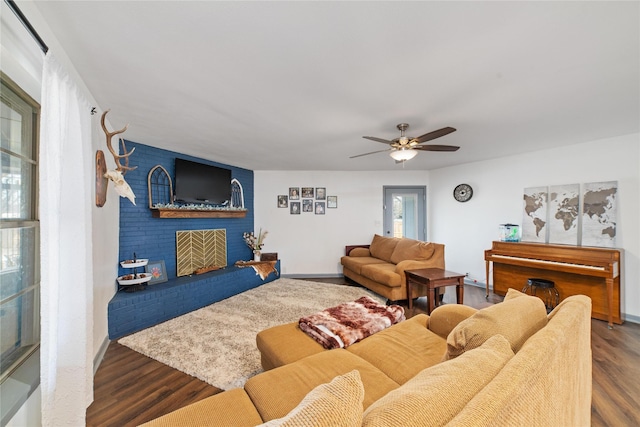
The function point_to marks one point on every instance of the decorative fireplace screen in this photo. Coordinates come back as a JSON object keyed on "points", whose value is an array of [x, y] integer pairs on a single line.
{"points": [[200, 248]]}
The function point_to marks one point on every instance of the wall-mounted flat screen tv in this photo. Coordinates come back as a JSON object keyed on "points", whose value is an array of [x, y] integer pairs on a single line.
{"points": [[201, 184]]}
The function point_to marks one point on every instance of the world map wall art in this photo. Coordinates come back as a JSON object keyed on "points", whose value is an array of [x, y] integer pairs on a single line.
{"points": [[561, 214], [534, 222]]}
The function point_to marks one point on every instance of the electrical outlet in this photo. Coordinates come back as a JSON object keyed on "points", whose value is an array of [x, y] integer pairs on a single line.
{"points": [[466, 274]]}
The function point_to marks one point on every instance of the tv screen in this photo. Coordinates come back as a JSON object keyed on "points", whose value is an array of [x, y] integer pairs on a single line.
{"points": [[201, 184]]}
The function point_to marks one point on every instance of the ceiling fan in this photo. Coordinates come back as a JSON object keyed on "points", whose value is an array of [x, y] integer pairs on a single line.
{"points": [[405, 148]]}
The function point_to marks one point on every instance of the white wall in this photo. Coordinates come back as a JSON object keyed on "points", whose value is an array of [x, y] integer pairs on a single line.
{"points": [[467, 229], [29, 413], [310, 244], [106, 238]]}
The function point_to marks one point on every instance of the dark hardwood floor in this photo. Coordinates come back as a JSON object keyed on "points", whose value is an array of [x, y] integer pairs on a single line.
{"points": [[130, 389]]}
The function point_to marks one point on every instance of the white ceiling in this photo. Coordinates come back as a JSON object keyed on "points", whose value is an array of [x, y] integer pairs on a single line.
{"points": [[295, 85]]}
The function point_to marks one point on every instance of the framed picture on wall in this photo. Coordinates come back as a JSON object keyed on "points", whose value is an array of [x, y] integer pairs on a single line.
{"points": [[283, 201], [321, 193], [319, 208], [332, 202], [294, 193], [157, 270], [307, 192], [307, 205], [295, 208]]}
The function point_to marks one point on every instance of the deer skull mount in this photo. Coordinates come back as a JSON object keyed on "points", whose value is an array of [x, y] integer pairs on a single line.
{"points": [[116, 176]]}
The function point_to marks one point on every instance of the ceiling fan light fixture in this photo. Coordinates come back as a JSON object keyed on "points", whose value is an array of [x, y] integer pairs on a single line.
{"points": [[405, 148], [403, 154]]}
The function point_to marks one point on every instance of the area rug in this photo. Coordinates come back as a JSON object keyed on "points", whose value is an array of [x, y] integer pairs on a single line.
{"points": [[217, 343]]}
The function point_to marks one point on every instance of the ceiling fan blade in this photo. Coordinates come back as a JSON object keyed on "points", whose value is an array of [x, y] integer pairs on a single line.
{"points": [[435, 134], [373, 152], [436, 148], [373, 138]]}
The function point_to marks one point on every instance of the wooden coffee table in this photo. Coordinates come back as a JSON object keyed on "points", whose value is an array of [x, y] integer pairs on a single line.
{"points": [[434, 278]]}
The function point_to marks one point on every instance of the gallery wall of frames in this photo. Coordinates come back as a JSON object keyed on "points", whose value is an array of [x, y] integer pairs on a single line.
{"points": [[313, 200]]}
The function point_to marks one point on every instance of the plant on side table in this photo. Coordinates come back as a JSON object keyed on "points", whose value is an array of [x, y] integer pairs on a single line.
{"points": [[254, 242]]}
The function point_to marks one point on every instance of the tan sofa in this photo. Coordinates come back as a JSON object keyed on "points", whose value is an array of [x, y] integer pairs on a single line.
{"points": [[510, 364], [380, 266]]}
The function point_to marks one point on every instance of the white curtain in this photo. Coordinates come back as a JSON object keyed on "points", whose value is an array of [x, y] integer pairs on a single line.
{"points": [[66, 270]]}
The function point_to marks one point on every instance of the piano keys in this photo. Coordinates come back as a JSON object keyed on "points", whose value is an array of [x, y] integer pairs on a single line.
{"points": [[594, 272]]}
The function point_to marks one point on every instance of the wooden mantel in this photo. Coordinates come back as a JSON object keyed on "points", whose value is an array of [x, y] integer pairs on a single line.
{"points": [[197, 213]]}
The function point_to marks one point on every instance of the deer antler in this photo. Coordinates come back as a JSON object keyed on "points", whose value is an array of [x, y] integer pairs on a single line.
{"points": [[116, 156]]}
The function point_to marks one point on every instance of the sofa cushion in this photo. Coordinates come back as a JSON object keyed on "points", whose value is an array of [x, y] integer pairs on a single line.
{"points": [[552, 370], [276, 392], [338, 403], [437, 394], [384, 273], [402, 350], [411, 249], [232, 406], [445, 317], [284, 344], [382, 247], [355, 263], [516, 318]]}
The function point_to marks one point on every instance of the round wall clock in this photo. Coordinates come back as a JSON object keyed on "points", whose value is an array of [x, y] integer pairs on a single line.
{"points": [[462, 192]]}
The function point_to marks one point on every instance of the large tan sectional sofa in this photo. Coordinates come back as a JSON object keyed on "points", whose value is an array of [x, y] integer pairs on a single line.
{"points": [[380, 266], [509, 364]]}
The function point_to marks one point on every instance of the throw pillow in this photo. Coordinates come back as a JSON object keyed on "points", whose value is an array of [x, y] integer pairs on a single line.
{"points": [[338, 403], [512, 293], [516, 318], [360, 252], [437, 394], [411, 249], [382, 247]]}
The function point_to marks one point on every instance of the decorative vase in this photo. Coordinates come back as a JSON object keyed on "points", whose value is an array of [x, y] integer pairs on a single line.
{"points": [[256, 255]]}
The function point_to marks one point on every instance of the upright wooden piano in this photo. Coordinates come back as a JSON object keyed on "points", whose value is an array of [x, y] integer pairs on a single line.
{"points": [[594, 272]]}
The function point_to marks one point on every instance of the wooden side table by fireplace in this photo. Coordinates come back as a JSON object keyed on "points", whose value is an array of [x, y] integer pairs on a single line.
{"points": [[434, 278]]}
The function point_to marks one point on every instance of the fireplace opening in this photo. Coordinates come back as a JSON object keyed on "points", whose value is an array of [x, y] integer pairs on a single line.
{"points": [[196, 249]]}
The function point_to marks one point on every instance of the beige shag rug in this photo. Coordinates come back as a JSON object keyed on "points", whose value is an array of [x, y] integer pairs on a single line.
{"points": [[217, 343]]}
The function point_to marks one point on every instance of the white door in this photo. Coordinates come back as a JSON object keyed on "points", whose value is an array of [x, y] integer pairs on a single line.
{"points": [[405, 212]]}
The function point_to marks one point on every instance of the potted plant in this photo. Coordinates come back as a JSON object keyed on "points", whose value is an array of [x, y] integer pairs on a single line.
{"points": [[254, 242]]}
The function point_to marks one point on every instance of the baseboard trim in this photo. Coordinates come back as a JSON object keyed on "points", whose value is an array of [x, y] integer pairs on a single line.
{"points": [[97, 360], [476, 283], [311, 276]]}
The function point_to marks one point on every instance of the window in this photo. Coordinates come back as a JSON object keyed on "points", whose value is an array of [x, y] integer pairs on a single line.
{"points": [[19, 229]]}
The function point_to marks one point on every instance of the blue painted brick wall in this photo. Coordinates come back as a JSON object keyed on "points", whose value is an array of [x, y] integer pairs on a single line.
{"points": [[155, 238], [134, 311]]}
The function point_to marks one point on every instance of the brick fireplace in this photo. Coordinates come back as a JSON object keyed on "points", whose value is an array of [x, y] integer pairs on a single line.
{"points": [[155, 239]]}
